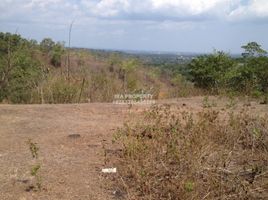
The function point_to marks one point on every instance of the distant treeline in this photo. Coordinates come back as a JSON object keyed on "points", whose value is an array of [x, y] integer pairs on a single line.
{"points": [[47, 72]]}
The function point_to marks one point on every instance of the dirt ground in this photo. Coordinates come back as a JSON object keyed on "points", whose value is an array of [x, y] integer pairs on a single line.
{"points": [[70, 167]]}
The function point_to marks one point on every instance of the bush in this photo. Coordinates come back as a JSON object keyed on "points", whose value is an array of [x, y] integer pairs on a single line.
{"points": [[56, 54], [101, 88], [208, 71], [59, 90]]}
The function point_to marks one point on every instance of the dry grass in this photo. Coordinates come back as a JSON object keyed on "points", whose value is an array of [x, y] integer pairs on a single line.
{"points": [[174, 154]]}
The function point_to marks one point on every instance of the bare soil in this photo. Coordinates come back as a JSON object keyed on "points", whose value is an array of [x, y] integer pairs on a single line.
{"points": [[72, 139]]}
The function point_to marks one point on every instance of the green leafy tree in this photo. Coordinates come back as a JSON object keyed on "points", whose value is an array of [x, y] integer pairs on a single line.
{"points": [[9, 46], [241, 78], [56, 54], [24, 78], [47, 45], [259, 66], [19, 71], [250, 74], [253, 49], [208, 71], [256, 64]]}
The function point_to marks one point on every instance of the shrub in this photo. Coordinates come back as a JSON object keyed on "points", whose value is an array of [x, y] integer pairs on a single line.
{"points": [[59, 90], [56, 54], [208, 71], [173, 154], [35, 170], [101, 88]]}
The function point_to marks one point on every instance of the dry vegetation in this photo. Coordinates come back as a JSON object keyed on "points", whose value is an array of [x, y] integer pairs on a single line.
{"points": [[189, 148], [48, 72], [176, 154]]}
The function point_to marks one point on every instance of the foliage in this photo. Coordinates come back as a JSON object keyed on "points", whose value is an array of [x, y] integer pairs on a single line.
{"points": [[59, 90], [34, 149], [253, 49], [101, 88], [218, 71], [46, 45], [207, 103], [34, 73], [56, 54], [18, 69], [183, 87], [208, 70]]}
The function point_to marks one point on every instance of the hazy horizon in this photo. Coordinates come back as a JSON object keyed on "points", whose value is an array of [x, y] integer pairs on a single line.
{"points": [[196, 26]]}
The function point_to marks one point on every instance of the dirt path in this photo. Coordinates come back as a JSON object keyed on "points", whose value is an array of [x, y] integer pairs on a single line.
{"points": [[70, 167]]}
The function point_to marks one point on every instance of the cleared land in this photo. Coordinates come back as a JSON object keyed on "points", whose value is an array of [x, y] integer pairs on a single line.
{"points": [[70, 167]]}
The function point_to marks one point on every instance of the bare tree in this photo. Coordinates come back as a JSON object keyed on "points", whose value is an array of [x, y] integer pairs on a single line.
{"points": [[69, 46]]}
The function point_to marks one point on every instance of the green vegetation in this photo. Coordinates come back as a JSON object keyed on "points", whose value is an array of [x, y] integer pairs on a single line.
{"points": [[45, 72], [208, 70], [48, 72], [206, 103], [19, 72], [36, 168], [219, 72]]}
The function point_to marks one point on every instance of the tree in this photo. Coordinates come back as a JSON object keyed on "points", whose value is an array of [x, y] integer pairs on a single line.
{"points": [[19, 71], [47, 45], [259, 66], [56, 54], [9, 45], [24, 78], [256, 62], [241, 78], [126, 74], [208, 71], [253, 49]]}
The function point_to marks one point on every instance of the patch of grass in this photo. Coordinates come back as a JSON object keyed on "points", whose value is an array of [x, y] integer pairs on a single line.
{"points": [[33, 148], [231, 103], [35, 168], [207, 103], [189, 186], [173, 154]]}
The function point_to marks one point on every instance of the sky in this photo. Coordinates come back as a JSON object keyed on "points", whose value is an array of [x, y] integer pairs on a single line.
{"points": [[150, 25]]}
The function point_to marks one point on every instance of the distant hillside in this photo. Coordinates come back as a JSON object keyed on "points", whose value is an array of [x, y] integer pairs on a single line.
{"points": [[47, 72]]}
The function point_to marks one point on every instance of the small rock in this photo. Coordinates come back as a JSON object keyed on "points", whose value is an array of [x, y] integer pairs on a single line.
{"points": [[23, 181], [93, 145], [113, 151], [74, 136], [118, 194], [29, 188], [109, 170]]}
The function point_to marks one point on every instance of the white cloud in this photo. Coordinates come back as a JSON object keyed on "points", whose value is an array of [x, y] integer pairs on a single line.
{"points": [[192, 7], [254, 9], [165, 8], [171, 26], [150, 10], [177, 10]]}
